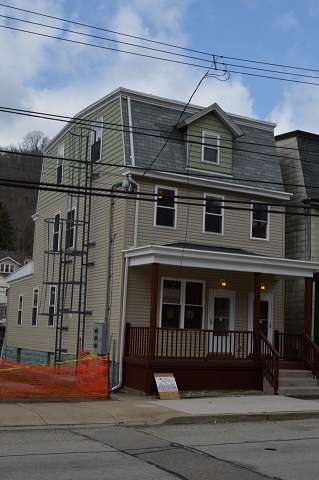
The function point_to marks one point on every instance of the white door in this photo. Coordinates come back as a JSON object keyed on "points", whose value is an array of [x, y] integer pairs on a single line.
{"points": [[266, 314], [221, 319]]}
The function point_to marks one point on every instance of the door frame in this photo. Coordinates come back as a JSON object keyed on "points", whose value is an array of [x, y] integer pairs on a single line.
{"points": [[263, 297], [212, 294]]}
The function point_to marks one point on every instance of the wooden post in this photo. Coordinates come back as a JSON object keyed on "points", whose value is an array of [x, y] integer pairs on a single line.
{"points": [[153, 313], [308, 305], [257, 346]]}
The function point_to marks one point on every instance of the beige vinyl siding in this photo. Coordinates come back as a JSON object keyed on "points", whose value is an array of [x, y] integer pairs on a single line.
{"points": [[189, 227], [210, 123], [242, 283]]}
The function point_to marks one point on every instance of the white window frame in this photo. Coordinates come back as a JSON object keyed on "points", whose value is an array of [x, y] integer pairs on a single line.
{"points": [[7, 268], [205, 145], [52, 287], [175, 190], [20, 310], [183, 282], [35, 307], [67, 246], [266, 239], [11, 268], [98, 123], [56, 233], [2, 268], [218, 197], [60, 164]]}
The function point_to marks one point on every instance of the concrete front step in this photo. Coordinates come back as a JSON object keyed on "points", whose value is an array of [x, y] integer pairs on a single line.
{"points": [[294, 374], [298, 383]]}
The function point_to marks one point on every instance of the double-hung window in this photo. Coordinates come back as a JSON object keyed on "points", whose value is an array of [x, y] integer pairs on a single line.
{"points": [[259, 221], [96, 140], [70, 229], [20, 309], [52, 303], [165, 207], [59, 165], [34, 320], [210, 147], [56, 232], [213, 214], [182, 304]]}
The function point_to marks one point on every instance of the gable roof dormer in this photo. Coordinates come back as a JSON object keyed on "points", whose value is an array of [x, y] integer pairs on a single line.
{"points": [[219, 112], [210, 136]]}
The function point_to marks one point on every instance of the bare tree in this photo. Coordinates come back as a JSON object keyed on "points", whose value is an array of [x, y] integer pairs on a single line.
{"points": [[34, 142]]}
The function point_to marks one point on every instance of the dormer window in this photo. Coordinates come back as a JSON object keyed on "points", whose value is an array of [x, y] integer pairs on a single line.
{"points": [[59, 165], [96, 141], [210, 147]]}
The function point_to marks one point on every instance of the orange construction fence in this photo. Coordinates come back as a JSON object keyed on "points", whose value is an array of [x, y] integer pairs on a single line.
{"points": [[82, 379]]}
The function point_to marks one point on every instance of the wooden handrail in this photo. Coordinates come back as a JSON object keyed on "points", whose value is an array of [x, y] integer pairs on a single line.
{"points": [[270, 362], [311, 354]]}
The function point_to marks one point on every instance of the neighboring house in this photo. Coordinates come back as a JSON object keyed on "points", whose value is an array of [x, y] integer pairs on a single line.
{"points": [[298, 153], [8, 263], [168, 232], [3, 300]]}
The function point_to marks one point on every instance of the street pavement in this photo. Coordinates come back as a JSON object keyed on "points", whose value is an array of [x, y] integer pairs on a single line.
{"points": [[127, 409]]}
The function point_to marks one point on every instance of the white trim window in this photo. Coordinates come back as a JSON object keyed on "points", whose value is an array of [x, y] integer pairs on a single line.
{"points": [[52, 305], [59, 164], [20, 310], [259, 223], [213, 221], [165, 207], [96, 140], [182, 304], [56, 232], [34, 320], [210, 147], [70, 229]]}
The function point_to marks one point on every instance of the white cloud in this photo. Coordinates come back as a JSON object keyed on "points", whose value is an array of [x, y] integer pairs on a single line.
{"points": [[53, 76], [287, 22], [299, 110]]}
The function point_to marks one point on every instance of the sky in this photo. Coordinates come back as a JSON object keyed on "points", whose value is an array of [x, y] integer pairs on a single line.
{"points": [[43, 74]]}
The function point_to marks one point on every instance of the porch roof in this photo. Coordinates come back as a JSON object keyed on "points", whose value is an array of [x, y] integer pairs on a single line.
{"points": [[218, 258]]}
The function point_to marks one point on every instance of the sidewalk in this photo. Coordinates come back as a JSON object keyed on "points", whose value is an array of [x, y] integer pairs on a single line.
{"points": [[127, 409]]}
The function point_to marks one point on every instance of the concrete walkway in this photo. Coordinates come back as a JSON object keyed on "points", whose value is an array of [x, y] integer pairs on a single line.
{"points": [[126, 409]]}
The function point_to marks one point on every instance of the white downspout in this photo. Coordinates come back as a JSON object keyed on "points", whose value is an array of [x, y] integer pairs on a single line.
{"points": [[121, 353]]}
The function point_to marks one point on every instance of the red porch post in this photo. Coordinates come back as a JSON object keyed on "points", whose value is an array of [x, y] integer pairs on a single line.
{"points": [[257, 351], [153, 313], [308, 305]]}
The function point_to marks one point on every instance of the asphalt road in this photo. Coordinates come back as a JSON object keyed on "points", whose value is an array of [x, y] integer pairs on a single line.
{"points": [[233, 451]]}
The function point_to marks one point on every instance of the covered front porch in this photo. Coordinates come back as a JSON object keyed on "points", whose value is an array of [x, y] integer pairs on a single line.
{"points": [[225, 350]]}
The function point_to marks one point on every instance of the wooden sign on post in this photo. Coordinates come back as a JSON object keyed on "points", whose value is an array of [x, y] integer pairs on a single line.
{"points": [[166, 386]]}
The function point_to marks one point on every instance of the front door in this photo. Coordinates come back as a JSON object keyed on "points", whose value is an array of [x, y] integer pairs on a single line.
{"points": [[266, 320], [221, 318]]}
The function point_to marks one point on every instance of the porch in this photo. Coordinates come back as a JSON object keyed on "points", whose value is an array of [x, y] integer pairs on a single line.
{"points": [[199, 352], [208, 360]]}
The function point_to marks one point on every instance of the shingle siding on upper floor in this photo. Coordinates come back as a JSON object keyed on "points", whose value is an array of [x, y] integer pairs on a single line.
{"points": [[309, 156], [254, 159]]}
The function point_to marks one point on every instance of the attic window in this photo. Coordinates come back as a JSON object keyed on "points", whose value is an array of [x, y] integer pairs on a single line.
{"points": [[210, 147], [96, 140]]}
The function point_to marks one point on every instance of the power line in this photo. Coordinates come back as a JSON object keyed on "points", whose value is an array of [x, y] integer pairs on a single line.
{"points": [[156, 42]]}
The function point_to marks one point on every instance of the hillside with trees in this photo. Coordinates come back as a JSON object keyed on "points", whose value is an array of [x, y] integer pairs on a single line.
{"points": [[18, 166]]}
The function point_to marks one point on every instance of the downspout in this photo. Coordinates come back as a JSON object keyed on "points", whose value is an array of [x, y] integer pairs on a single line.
{"points": [[109, 264], [124, 302], [121, 356]]}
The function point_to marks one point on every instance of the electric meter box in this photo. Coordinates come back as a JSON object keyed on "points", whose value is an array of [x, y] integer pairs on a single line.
{"points": [[99, 338]]}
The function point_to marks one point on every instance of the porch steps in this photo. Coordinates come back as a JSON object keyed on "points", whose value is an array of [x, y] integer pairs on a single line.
{"points": [[298, 383]]}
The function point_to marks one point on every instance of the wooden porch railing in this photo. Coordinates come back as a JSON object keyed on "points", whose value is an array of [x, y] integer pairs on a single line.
{"points": [[290, 346], [190, 344], [270, 362], [311, 355]]}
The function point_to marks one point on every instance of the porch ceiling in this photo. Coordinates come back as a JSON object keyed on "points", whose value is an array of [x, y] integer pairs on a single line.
{"points": [[218, 258]]}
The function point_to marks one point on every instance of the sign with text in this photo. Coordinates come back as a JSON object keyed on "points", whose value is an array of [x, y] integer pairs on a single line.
{"points": [[166, 386]]}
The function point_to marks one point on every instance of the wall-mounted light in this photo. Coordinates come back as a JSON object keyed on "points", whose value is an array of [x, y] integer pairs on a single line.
{"points": [[262, 286], [222, 282]]}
